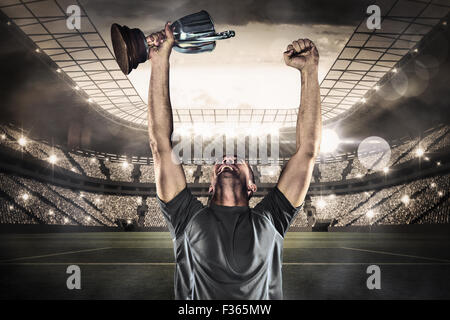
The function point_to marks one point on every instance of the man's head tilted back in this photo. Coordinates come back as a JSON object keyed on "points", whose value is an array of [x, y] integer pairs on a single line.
{"points": [[232, 179]]}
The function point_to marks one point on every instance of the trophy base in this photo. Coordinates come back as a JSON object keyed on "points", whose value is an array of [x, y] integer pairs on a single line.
{"points": [[129, 47]]}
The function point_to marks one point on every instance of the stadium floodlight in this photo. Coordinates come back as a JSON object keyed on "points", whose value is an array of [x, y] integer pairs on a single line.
{"points": [[253, 130], [184, 131], [90, 100], [420, 152], [66, 220], [230, 130], [426, 159], [37, 50], [271, 170], [58, 70], [386, 170], [203, 129], [405, 199], [25, 196], [198, 129], [321, 203], [438, 163], [53, 159], [433, 185], [3, 136], [330, 141], [370, 214], [11, 207], [22, 141], [129, 221], [274, 130], [440, 193]]}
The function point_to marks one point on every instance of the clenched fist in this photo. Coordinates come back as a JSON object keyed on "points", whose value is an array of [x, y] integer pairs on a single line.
{"points": [[162, 43], [302, 55]]}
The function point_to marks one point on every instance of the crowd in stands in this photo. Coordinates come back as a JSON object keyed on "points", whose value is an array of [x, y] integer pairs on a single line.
{"points": [[25, 201], [420, 201], [89, 165], [147, 174], [120, 171], [124, 171]]}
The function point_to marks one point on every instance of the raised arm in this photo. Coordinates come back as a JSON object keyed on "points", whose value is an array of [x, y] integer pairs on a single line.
{"points": [[296, 176], [169, 175]]}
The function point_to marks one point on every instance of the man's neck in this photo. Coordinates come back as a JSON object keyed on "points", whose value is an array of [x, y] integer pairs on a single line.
{"points": [[229, 196]]}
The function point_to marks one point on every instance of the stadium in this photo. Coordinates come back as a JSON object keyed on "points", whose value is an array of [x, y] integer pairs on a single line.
{"points": [[77, 181]]}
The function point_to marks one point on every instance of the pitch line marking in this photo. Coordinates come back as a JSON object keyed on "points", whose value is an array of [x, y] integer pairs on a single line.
{"points": [[55, 254], [397, 254]]}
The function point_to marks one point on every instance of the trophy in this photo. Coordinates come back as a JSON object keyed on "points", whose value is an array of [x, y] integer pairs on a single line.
{"points": [[193, 34]]}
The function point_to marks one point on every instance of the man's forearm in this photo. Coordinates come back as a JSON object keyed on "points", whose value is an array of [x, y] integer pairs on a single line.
{"points": [[309, 120], [160, 121]]}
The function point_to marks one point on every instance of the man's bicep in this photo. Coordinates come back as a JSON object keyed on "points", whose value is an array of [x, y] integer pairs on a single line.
{"points": [[295, 178], [169, 176]]}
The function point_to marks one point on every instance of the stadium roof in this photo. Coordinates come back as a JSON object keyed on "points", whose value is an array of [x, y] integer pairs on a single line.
{"points": [[83, 58]]}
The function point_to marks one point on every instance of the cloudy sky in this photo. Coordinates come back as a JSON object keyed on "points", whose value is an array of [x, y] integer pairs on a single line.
{"points": [[247, 70]]}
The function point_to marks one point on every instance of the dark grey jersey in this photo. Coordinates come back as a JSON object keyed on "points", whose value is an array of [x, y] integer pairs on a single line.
{"points": [[228, 252]]}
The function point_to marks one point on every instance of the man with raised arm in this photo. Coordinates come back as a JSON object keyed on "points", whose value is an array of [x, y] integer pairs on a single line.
{"points": [[227, 250]]}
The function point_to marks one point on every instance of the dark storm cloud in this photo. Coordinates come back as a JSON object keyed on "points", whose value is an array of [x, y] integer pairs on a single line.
{"points": [[239, 12]]}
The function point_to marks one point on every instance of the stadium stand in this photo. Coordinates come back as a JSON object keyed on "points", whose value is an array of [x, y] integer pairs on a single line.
{"points": [[118, 169], [27, 201]]}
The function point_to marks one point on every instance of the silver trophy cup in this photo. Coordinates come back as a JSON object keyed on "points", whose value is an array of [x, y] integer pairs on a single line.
{"points": [[193, 34]]}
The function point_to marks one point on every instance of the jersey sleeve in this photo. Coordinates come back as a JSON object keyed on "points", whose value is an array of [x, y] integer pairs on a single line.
{"points": [[278, 209], [179, 211]]}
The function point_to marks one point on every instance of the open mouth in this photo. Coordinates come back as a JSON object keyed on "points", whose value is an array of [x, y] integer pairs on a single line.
{"points": [[226, 168]]}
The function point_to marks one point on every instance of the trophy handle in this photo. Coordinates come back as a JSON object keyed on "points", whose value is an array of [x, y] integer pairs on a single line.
{"points": [[207, 38], [195, 39]]}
